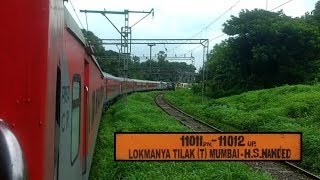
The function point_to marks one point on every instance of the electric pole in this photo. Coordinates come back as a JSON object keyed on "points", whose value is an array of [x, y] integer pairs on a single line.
{"points": [[125, 37], [150, 45]]}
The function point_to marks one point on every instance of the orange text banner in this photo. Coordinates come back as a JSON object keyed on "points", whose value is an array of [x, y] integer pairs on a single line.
{"points": [[207, 146]]}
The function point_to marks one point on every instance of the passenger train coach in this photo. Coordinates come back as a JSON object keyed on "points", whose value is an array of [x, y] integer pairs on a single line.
{"points": [[116, 87], [52, 93]]}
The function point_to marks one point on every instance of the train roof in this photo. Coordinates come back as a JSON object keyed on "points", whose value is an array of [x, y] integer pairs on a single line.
{"points": [[139, 80], [110, 76], [147, 81], [73, 27], [154, 82], [76, 32]]}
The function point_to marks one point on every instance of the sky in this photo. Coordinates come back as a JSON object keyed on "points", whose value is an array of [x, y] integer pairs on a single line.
{"points": [[176, 19]]}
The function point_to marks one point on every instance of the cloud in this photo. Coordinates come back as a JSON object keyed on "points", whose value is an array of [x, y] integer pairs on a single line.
{"points": [[175, 19]]}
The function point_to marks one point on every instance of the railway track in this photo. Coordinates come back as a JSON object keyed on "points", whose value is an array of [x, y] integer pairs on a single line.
{"points": [[278, 170]]}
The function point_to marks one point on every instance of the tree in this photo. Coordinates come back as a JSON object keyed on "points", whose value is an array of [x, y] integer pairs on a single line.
{"points": [[111, 62], [108, 60], [265, 49], [316, 12], [96, 42], [161, 56]]}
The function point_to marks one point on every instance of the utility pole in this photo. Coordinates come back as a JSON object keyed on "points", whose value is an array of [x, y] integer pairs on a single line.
{"points": [[119, 59], [205, 58], [150, 45]]}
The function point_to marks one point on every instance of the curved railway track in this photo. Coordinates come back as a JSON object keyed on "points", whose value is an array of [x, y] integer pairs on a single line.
{"points": [[278, 170]]}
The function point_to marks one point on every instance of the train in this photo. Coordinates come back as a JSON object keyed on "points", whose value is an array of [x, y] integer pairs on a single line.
{"points": [[118, 86], [52, 93]]}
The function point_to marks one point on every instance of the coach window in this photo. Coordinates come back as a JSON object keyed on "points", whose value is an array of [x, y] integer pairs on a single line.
{"points": [[75, 122]]}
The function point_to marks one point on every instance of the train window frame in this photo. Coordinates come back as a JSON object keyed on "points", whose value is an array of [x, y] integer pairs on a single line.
{"points": [[76, 103]]}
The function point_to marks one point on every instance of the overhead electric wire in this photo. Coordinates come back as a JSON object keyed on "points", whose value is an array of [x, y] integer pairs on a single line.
{"points": [[201, 44], [76, 14], [215, 20], [114, 26], [281, 5], [152, 11], [193, 49], [217, 37], [222, 15]]}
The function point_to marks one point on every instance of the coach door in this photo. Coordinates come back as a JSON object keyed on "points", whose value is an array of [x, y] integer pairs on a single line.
{"points": [[85, 117]]}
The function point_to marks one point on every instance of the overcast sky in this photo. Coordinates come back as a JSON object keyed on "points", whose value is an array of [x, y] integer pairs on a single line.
{"points": [[174, 19]]}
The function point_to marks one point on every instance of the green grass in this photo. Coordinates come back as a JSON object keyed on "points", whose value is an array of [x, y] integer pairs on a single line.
{"points": [[143, 115], [282, 109]]}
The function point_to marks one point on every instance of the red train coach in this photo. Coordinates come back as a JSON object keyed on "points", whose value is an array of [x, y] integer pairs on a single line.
{"points": [[126, 86], [51, 94], [113, 87], [140, 85], [152, 85], [88, 78]]}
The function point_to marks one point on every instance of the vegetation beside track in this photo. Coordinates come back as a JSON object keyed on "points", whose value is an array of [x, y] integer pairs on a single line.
{"points": [[283, 109], [142, 115]]}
